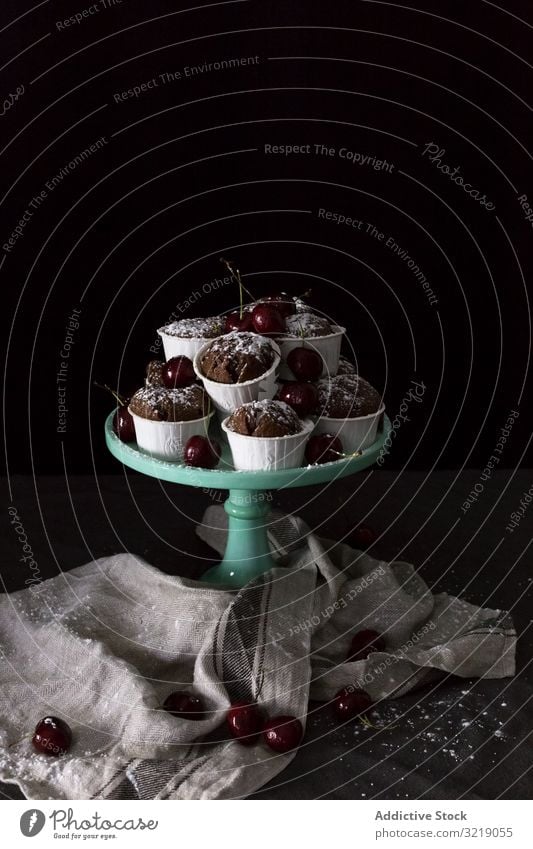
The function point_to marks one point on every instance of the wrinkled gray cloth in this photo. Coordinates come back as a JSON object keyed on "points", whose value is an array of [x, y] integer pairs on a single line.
{"points": [[103, 645]]}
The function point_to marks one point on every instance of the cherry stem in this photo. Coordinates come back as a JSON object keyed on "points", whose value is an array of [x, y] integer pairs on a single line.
{"points": [[16, 742], [364, 720], [113, 392], [236, 275]]}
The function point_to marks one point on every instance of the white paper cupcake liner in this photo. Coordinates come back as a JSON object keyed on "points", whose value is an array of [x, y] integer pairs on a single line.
{"points": [[329, 348], [180, 346], [226, 397], [355, 434], [256, 453], [167, 440]]}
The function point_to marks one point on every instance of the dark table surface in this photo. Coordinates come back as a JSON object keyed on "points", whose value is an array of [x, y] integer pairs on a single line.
{"points": [[458, 738]]}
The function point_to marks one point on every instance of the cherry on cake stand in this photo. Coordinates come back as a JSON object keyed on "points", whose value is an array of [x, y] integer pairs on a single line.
{"points": [[247, 553]]}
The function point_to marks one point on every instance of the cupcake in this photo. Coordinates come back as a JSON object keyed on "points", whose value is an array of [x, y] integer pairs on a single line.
{"points": [[265, 418], [165, 419], [350, 408], [266, 435], [318, 333], [237, 368], [237, 358], [186, 336]]}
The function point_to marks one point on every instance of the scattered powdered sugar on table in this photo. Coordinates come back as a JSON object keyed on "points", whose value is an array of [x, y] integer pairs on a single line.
{"points": [[459, 726]]}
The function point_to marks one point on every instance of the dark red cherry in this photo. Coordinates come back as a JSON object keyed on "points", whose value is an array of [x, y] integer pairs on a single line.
{"points": [[305, 363], [234, 322], [282, 302], [178, 372], [349, 703], [122, 420], [52, 736], [201, 452], [302, 397], [323, 448], [267, 320], [123, 424], [245, 722], [362, 537], [283, 733], [365, 643], [184, 705]]}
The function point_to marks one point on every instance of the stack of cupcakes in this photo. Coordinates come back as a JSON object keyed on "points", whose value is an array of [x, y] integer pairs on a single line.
{"points": [[274, 374]]}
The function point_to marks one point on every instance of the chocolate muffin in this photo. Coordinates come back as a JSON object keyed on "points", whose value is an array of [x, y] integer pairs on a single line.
{"points": [[237, 357], [265, 418], [308, 324], [346, 367], [154, 375], [195, 328], [170, 405], [347, 396]]}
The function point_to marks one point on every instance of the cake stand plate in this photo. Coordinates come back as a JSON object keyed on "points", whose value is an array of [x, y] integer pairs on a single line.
{"points": [[247, 552]]}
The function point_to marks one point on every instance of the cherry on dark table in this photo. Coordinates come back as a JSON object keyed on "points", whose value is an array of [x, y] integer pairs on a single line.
{"points": [[364, 643], [52, 736], [362, 537], [283, 733], [184, 705], [349, 703], [245, 722]]}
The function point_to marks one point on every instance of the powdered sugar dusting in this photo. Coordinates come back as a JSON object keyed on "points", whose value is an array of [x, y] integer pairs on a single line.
{"points": [[244, 343], [308, 324], [277, 412], [154, 395], [195, 328], [451, 728], [347, 396]]}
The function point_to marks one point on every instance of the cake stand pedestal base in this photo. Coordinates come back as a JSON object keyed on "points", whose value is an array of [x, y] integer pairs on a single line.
{"points": [[247, 552]]}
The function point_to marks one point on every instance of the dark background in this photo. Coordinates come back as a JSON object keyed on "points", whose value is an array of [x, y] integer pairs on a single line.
{"points": [[183, 178]]}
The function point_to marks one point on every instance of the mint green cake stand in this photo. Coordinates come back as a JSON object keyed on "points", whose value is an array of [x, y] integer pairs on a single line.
{"points": [[247, 552]]}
